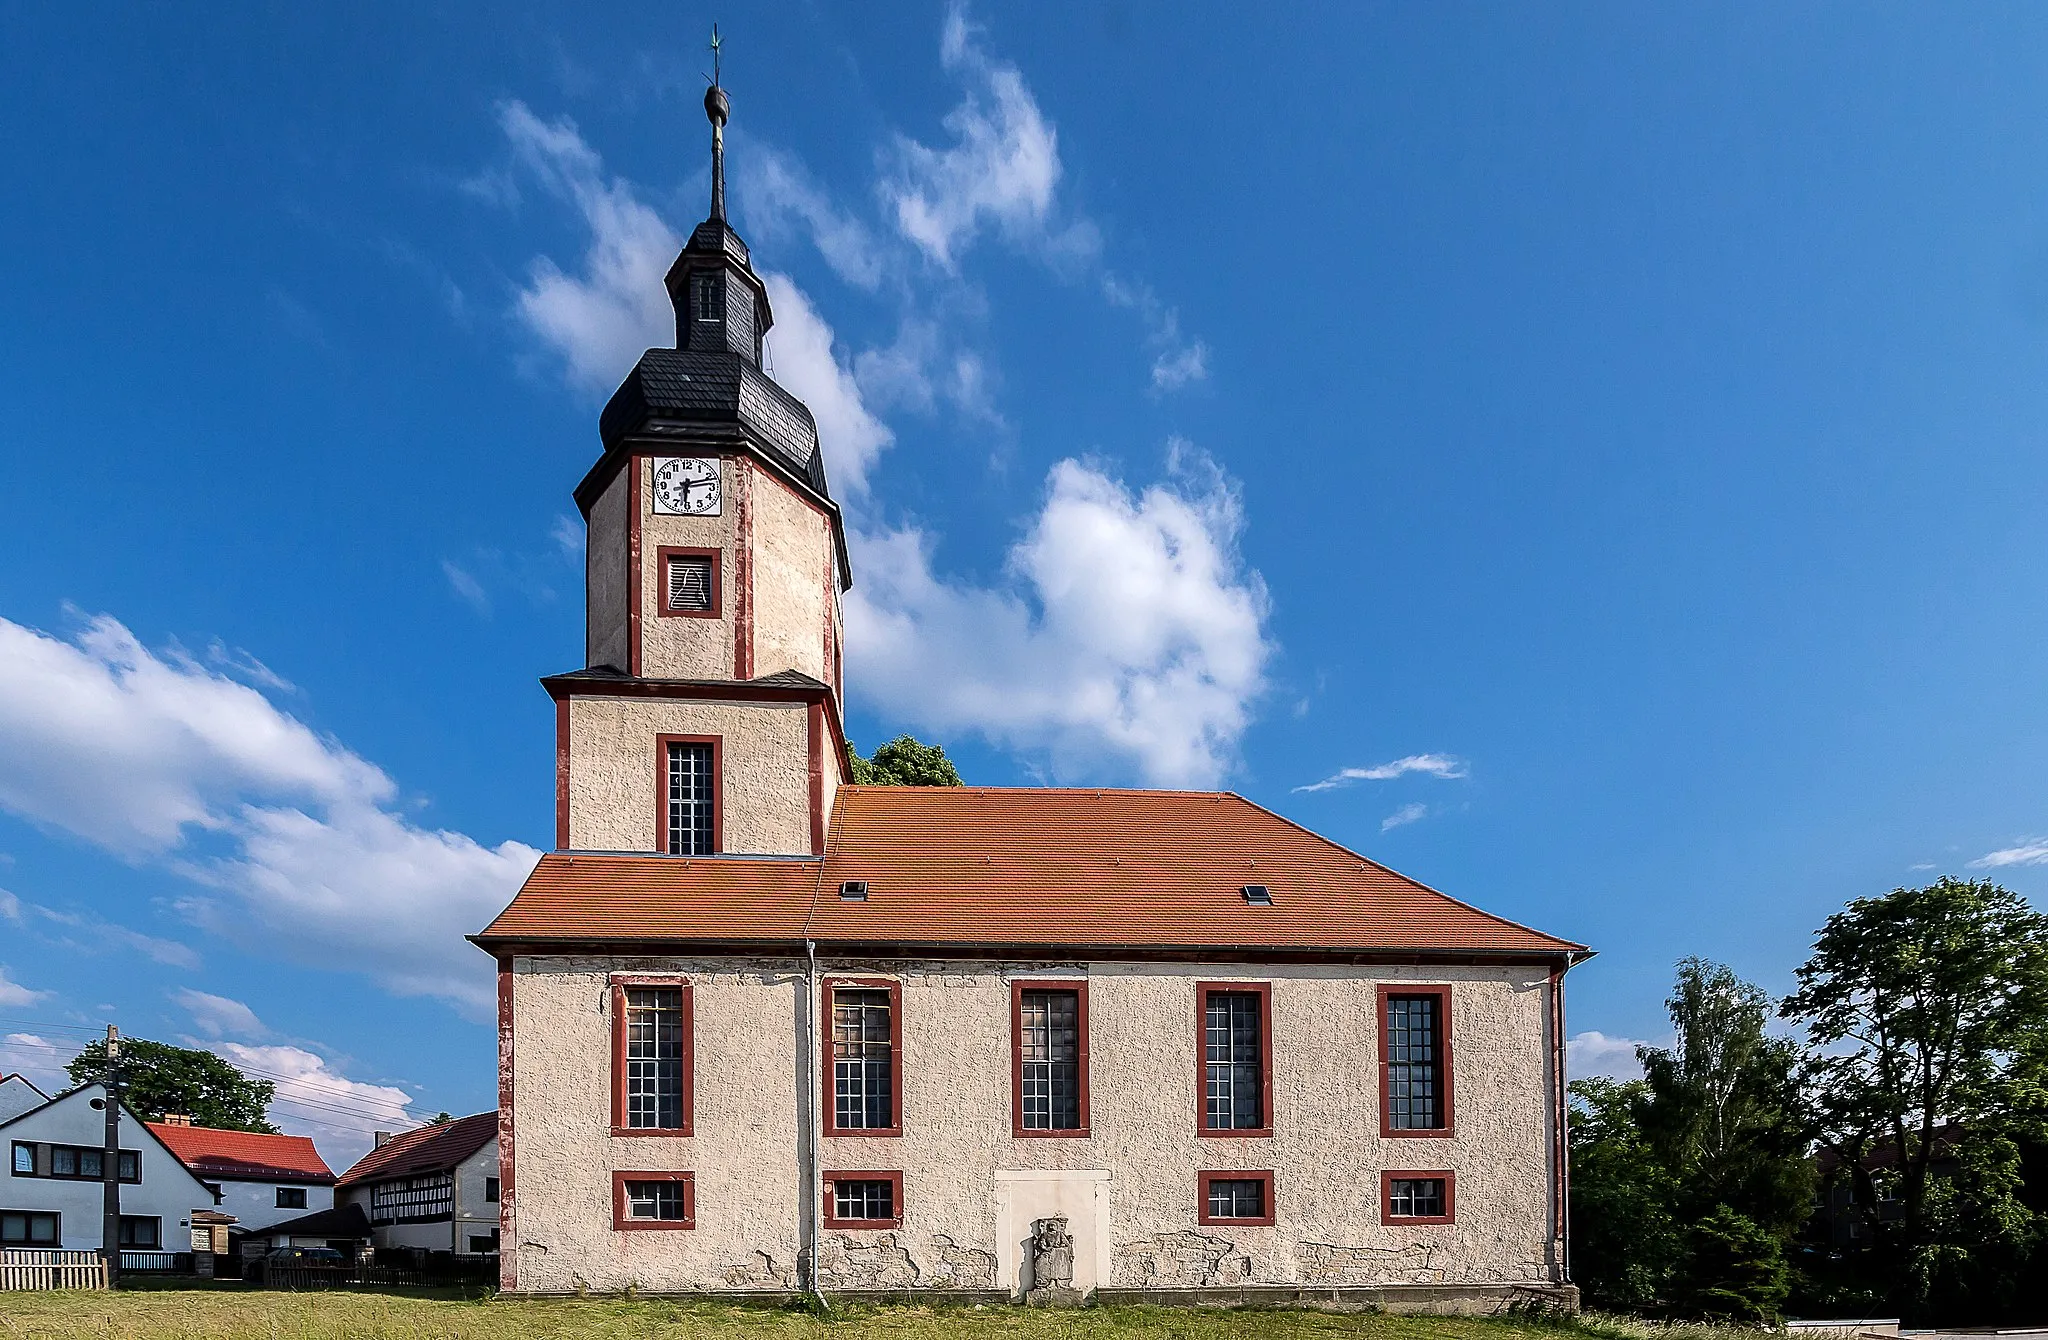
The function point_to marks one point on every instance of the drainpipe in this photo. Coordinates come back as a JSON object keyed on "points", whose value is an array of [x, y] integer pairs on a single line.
{"points": [[815, 1118], [1563, 1187]]}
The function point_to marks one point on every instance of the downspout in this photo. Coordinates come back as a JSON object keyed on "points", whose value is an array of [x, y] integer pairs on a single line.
{"points": [[813, 1175], [1563, 1188]]}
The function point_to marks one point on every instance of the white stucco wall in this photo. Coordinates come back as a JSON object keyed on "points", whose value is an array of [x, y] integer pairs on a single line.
{"points": [[254, 1204], [605, 565], [166, 1192], [680, 647], [474, 1215], [969, 1183], [793, 566]]}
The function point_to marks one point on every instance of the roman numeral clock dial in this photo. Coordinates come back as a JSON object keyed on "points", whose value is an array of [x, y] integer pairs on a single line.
{"points": [[687, 485]]}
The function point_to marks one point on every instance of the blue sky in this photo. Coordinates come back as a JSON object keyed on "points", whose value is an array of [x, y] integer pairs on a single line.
{"points": [[1602, 443]]}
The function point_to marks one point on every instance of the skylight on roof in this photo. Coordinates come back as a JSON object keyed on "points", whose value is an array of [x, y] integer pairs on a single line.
{"points": [[1258, 895], [854, 891]]}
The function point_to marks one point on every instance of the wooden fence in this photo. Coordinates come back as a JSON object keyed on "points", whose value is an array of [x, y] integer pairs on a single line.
{"points": [[33, 1269]]}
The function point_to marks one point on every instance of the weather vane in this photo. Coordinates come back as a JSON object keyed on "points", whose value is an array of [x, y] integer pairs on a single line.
{"points": [[714, 54]]}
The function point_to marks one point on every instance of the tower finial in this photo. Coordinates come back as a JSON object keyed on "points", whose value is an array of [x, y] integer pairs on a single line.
{"points": [[718, 108]]}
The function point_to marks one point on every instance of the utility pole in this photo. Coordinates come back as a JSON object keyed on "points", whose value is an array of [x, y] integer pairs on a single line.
{"points": [[110, 1163]]}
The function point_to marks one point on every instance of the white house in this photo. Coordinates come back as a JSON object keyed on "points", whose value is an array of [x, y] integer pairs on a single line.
{"points": [[52, 1195], [435, 1189], [263, 1179]]}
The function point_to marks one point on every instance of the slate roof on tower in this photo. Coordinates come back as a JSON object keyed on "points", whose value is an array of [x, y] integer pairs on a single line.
{"points": [[1000, 868]]}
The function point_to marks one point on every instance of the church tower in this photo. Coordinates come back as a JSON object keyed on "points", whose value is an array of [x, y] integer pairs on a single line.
{"points": [[707, 719]]}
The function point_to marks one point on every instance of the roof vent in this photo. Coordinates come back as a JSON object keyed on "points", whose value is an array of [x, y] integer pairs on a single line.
{"points": [[854, 891], [1258, 895]]}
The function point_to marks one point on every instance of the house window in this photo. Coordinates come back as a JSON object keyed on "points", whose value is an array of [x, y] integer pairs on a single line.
{"points": [[24, 1159], [865, 1040], [291, 1198], [491, 1197], [1050, 1062], [27, 1228], [413, 1200], [705, 289], [130, 1166], [1236, 1060], [141, 1233], [689, 582], [64, 1161], [863, 1199], [1415, 1061], [1416, 1197], [654, 1058], [82, 1162], [483, 1244], [689, 797], [654, 1200], [1235, 1197]]}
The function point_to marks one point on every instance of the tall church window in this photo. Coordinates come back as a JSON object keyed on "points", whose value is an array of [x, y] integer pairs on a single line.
{"points": [[690, 798], [1049, 1067], [866, 1038], [1236, 1058], [1415, 1061], [652, 1053]]}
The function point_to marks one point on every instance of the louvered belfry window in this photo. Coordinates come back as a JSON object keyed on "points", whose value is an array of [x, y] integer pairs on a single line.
{"points": [[689, 585], [1414, 1063], [1236, 1089], [1050, 1059], [690, 799], [862, 1060], [654, 1058]]}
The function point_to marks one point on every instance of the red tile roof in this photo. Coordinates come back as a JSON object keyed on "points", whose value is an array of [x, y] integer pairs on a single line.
{"points": [[244, 1155], [992, 866], [428, 1149]]}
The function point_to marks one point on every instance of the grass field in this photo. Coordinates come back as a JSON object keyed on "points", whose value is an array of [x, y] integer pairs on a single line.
{"points": [[233, 1314]]}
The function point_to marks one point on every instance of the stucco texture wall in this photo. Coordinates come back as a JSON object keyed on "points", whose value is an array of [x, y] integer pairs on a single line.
{"points": [[604, 558], [969, 1183], [764, 765], [792, 572], [676, 646]]}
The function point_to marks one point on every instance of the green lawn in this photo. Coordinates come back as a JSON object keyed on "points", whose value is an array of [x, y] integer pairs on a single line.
{"points": [[236, 1314]]}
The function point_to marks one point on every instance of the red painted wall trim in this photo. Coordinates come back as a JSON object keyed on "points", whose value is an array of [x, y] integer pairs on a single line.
{"points": [[743, 568], [619, 983], [662, 554], [814, 742], [895, 1180], [661, 744], [1443, 1018], [1018, 987], [508, 1251], [561, 774], [636, 575], [826, 1089], [1202, 1181], [622, 1224], [1264, 991], [1387, 1215]]}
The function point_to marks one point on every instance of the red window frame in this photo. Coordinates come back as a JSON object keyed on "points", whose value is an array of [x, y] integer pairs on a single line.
{"points": [[661, 744], [1264, 991], [619, 984], [1202, 1181], [1443, 1018], [1017, 989], [623, 1224], [831, 1199], [827, 1091], [662, 555], [1450, 1181]]}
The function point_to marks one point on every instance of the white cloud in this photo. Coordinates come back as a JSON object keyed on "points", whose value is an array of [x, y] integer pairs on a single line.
{"points": [[467, 586], [218, 1016], [1407, 814], [2029, 851], [15, 994], [800, 347], [148, 756], [568, 535], [341, 1114], [1000, 170], [38, 1060], [95, 935], [1128, 628], [1176, 361], [1430, 765], [602, 319], [1175, 369], [10, 906], [1593, 1054], [238, 662], [774, 191]]}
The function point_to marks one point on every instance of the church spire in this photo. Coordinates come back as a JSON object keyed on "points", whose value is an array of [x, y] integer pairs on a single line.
{"points": [[721, 304], [718, 108]]}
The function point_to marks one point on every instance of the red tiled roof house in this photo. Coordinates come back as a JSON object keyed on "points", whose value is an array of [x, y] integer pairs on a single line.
{"points": [[763, 1030]]}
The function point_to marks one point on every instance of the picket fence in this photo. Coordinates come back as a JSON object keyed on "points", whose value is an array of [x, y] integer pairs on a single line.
{"points": [[29, 1268]]}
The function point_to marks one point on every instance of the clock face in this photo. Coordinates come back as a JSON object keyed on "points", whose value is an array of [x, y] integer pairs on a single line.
{"points": [[687, 485]]}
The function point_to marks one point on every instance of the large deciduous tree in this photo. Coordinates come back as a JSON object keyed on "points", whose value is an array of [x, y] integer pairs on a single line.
{"points": [[903, 761], [159, 1080]]}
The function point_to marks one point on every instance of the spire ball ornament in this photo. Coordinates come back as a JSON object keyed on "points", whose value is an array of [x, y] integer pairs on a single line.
{"points": [[717, 106]]}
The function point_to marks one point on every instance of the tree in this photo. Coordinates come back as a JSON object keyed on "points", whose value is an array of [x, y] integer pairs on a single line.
{"points": [[1626, 1242], [159, 1080], [1733, 1270], [903, 762], [1928, 1013]]}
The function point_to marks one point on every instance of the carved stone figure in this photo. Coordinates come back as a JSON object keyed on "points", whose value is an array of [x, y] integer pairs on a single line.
{"points": [[1052, 1265]]}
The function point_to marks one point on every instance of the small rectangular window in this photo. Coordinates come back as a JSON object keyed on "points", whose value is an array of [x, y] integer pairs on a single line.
{"points": [[483, 1244], [688, 584], [689, 799], [1049, 1064], [704, 298], [28, 1228], [24, 1159], [491, 1195], [654, 1058], [63, 1161], [291, 1198], [1235, 1198], [1417, 1197], [130, 1166], [654, 1200], [1415, 1061], [864, 1200], [1234, 1045], [863, 1059], [90, 1163], [141, 1233]]}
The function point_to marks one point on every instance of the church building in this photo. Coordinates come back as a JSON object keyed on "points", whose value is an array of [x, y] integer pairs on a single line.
{"points": [[765, 1031]]}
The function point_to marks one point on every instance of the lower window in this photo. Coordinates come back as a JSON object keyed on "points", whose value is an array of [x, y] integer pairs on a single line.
{"points": [[28, 1228], [1417, 1197], [142, 1233], [1235, 1198], [483, 1244], [654, 1200], [863, 1199], [291, 1198]]}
